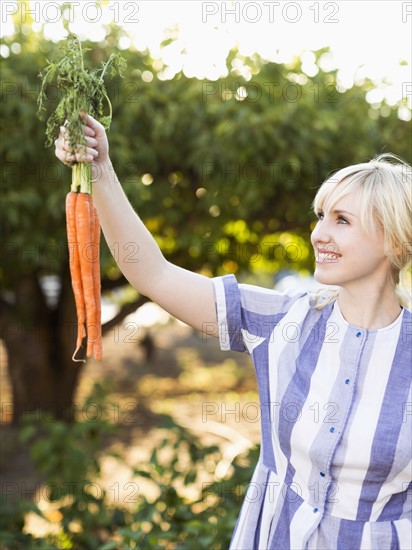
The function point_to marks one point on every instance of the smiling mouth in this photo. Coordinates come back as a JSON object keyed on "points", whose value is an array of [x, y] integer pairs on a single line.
{"points": [[326, 256]]}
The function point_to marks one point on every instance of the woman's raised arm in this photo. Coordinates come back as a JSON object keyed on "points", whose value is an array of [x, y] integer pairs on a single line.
{"points": [[186, 295]]}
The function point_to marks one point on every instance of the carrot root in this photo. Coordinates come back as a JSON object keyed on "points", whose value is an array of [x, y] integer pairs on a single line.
{"points": [[83, 231], [97, 346], [74, 357], [83, 225], [74, 263]]}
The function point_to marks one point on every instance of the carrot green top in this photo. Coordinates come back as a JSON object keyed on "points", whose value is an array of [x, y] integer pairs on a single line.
{"points": [[81, 90]]}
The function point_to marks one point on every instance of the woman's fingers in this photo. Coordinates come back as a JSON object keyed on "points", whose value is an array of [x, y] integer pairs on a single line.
{"points": [[60, 150], [88, 131], [82, 153], [69, 158], [80, 148], [91, 143], [94, 125], [95, 148]]}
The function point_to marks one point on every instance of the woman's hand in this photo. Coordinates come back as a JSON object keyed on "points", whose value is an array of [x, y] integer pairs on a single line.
{"points": [[96, 149]]}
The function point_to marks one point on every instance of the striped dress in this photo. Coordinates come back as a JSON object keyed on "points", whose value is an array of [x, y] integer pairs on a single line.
{"points": [[335, 463]]}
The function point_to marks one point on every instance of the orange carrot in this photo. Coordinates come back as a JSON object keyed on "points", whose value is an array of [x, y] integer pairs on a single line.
{"points": [[84, 214], [74, 262], [97, 348]]}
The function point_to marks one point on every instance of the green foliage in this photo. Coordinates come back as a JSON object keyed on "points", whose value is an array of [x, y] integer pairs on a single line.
{"points": [[82, 90], [67, 455], [66, 450], [206, 522], [193, 155], [190, 510], [12, 536]]}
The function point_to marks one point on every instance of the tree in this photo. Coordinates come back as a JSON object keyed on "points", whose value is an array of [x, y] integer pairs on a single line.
{"points": [[222, 172]]}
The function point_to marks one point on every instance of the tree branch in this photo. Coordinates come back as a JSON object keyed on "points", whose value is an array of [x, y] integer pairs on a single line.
{"points": [[109, 284], [125, 310]]}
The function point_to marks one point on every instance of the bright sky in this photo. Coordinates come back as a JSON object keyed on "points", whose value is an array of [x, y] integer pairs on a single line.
{"points": [[367, 38]]}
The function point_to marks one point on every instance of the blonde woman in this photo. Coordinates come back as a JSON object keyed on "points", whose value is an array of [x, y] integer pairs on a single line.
{"points": [[333, 368]]}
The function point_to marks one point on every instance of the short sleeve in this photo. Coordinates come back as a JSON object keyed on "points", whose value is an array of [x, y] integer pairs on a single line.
{"points": [[228, 309], [247, 314]]}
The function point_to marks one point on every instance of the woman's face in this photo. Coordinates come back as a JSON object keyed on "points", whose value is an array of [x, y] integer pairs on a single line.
{"points": [[347, 255]]}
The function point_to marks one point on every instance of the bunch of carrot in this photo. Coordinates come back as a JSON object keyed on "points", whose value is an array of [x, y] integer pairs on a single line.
{"points": [[81, 90], [83, 235]]}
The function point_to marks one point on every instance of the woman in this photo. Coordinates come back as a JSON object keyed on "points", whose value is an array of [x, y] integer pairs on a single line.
{"points": [[333, 367]]}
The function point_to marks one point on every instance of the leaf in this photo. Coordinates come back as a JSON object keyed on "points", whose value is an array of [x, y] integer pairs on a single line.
{"points": [[27, 433], [111, 545], [190, 477], [105, 121], [142, 473], [80, 89]]}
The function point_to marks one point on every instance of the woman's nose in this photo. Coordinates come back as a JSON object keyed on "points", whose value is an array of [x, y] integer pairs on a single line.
{"points": [[320, 234]]}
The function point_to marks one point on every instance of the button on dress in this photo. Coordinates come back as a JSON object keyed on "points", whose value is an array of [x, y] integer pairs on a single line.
{"points": [[334, 470]]}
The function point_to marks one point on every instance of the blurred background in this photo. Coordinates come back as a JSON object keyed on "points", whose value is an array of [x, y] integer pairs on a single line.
{"points": [[229, 117]]}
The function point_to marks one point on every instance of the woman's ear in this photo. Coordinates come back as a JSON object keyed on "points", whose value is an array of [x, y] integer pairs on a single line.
{"points": [[406, 251], [395, 249]]}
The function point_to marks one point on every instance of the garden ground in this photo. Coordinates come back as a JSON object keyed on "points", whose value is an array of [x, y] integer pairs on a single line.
{"points": [[186, 376]]}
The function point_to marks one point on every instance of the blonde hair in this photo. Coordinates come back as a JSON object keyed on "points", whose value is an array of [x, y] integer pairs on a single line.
{"points": [[384, 187]]}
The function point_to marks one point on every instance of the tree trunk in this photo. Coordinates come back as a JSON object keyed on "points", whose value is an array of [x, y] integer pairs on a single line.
{"points": [[40, 342]]}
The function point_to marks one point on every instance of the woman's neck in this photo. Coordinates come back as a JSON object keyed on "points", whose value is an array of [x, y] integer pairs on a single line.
{"points": [[370, 309]]}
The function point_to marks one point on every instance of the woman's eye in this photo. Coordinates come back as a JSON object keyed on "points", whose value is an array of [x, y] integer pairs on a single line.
{"points": [[319, 215], [342, 220]]}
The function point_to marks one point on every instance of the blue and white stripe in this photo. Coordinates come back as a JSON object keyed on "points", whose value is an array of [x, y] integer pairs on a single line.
{"points": [[335, 467]]}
